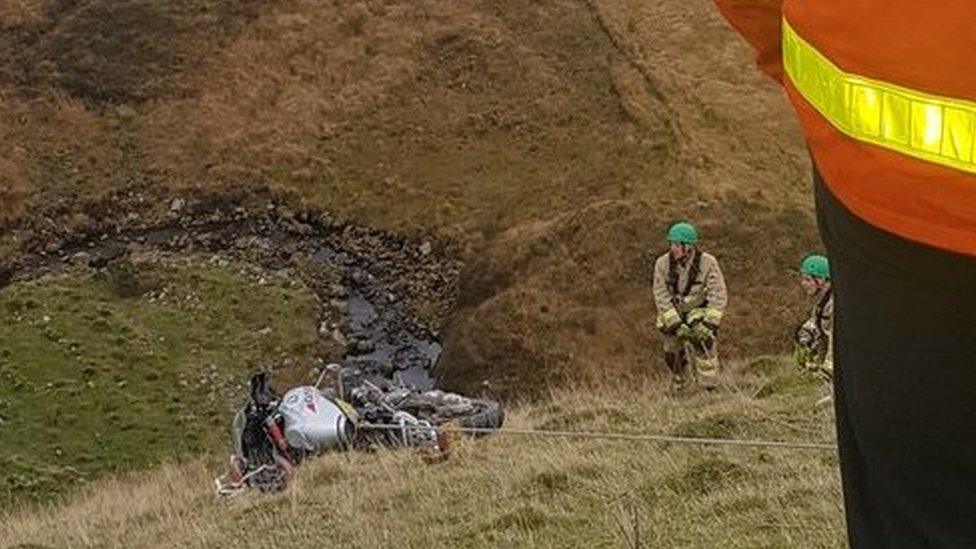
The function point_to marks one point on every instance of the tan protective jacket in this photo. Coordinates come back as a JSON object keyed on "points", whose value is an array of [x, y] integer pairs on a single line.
{"points": [[672, 292]]}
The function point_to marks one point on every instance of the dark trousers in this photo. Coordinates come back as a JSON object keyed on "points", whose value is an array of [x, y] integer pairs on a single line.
{"points": [[905, 384]]}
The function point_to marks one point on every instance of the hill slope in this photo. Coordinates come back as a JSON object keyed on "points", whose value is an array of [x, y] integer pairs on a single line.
{"points": [[551, 143], [547, 145]]}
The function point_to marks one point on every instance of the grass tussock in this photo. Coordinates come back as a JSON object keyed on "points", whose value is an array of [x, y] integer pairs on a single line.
{"points": [[505, 490]]}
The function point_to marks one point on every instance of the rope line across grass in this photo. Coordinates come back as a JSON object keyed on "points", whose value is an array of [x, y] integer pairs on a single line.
{"points": [[663, 439]]}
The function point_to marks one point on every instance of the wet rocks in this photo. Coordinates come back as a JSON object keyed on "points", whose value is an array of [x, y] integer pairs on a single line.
{"points": [[81, 258], [374, 280], [360, 344], [338, 337]]}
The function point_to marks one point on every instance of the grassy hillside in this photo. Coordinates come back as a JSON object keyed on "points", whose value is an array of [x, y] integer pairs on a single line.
{"points": [[551, 143], [116, 370], [547, 145], [508, 491]]}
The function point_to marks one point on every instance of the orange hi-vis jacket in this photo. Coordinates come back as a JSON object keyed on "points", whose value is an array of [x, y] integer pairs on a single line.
{"points": [[886, 93]]}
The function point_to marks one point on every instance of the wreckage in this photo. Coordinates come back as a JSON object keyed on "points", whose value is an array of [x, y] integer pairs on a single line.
{"points": [[272, 435]]}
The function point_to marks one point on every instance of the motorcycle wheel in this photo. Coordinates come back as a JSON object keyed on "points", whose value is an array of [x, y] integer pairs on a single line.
{"points": [[274, 478], [487, 414]]}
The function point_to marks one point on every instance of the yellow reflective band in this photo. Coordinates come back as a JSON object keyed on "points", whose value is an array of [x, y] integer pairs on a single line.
{"points": [[929, 127], [668, 319], [707, 367], [713, 315], [707, 313]]}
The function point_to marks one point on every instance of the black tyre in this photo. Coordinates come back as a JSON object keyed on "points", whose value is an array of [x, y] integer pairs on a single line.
{"points": [[275, 477], [487, 414]]}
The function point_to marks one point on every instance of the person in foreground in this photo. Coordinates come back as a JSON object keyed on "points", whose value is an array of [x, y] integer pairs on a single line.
{"points": [[886, 95]]}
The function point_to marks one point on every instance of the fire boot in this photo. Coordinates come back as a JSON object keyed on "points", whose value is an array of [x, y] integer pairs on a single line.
{"points": [[677, 364]]}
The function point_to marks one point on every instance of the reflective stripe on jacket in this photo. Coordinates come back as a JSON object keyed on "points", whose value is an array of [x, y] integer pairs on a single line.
{"points": [[887, 97]]}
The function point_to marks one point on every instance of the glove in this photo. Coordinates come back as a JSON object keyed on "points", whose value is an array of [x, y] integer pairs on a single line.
{"points": [[685, 332], [668, 321], [803, 355], [702, 332], [706, 315]]}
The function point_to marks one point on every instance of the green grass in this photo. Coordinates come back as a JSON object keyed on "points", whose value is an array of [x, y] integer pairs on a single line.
{"points": [[112, 371]]}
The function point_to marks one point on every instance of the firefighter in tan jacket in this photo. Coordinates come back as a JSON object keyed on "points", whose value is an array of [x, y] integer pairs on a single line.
{"points": [[690, 296]]}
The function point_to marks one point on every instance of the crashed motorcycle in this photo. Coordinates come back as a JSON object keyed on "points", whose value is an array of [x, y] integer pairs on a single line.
{"points": [[272, 435]]}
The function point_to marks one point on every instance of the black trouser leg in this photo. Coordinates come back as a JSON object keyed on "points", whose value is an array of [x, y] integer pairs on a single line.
{"points": [[905, 384], [675, 362]]}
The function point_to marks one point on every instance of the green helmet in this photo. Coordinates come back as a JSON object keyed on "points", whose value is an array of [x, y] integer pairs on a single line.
{"points": [[683, 233], [816, 266]]}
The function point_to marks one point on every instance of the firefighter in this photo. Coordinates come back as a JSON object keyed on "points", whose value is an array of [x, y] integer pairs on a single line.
{"points": [[814, 338], [690, 297], [886, 95]]}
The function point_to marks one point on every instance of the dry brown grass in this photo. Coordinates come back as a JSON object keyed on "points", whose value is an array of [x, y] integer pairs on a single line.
{"points": [[734, 132], [265, 98], [507, 491], [15, 13], [63, 150], [13, 166]]}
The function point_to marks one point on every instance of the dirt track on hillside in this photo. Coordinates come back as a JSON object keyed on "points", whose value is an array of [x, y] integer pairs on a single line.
{"points": [[550, 144]]}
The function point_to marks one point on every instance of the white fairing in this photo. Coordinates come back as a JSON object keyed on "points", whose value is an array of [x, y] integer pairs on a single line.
{"points": [[313, 422]]}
